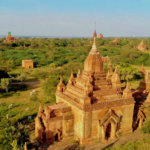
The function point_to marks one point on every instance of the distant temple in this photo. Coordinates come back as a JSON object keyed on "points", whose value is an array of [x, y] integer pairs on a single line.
{"points": [[115, 40], [142, 46], [27, 64], [9, 38], [100, 36]]}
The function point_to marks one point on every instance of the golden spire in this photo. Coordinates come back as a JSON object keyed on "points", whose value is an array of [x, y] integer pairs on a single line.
{"points": [[108, 77], [128, 84], [109, 64], [25, 146], [116, 70], [79, 72], [142, 43], [95, 34], [40, 107]]}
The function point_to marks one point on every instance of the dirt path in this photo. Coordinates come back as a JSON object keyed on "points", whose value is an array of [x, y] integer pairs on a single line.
{"points": [[131, 137], [28, 83]]}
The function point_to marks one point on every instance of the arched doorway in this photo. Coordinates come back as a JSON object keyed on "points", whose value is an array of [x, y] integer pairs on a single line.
{"points": [[108, 131], [56, 137]]}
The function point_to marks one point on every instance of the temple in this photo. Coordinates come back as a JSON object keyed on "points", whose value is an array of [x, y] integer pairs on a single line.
{"points": [[142, 46], [115, 40], [92, 107], [9, 38], [100, 36]]}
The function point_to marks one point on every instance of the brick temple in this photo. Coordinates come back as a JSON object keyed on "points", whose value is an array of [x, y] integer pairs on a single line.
{"points": [[92, 107], [142, 46], [9, 38]]}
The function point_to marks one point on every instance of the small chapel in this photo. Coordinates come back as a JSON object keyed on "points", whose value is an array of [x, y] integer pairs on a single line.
{"points": [[92, 107]]}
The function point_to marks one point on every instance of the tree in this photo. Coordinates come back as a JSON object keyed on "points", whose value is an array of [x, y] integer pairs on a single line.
{"points": [[5, 84], [22, 77], [125, 70], [52, 65], [10, 63], [14, 145]]}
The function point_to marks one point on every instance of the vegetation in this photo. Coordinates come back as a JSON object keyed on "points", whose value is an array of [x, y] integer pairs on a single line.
{"points": [[51, 58]]}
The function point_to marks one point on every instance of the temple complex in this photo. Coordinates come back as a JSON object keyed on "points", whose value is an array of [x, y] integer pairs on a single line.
{"points": [[115, 40], [100, 36], [9, 38], [92, 107], [142, 46]]}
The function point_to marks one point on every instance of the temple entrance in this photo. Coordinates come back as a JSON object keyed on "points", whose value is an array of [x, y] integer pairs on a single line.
{"points": [[108, 131], [56, 137]]}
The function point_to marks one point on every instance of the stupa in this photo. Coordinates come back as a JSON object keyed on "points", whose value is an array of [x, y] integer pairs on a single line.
{"points": [[92, 107], [9, 38], [115, 40], [142, 46]]}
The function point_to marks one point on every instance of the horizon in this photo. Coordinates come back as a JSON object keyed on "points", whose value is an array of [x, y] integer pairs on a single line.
{"points": [[75, 19]]}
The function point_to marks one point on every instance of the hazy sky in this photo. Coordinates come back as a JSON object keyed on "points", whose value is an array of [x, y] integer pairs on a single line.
{"points": [[75, 17]]}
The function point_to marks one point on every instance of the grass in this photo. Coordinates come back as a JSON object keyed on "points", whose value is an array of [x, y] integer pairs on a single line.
{"points": [[21, 101]]}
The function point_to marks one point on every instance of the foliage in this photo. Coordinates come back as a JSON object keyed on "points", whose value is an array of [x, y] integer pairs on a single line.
{"points": [[146, 127], [126, 70], [5, 84], [13, 135], [22, 77]]}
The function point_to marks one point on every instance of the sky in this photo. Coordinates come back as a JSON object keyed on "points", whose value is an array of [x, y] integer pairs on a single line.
{"points": [[75, 18]]}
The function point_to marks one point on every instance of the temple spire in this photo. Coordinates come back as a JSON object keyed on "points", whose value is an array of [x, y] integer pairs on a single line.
{"points": [[25, 146], [79, 72], [94, 48], [40, 107]]}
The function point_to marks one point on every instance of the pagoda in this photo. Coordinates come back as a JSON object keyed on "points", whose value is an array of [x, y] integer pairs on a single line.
{"points": [[142, 46], [91, 107], [115, 40], [9, 38], [100, 36]]}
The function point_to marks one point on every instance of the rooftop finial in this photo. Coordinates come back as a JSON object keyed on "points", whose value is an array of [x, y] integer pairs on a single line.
{"points": [[40, 107], [95, 34]]}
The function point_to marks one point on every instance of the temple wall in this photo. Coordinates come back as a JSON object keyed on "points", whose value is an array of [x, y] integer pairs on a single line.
{"points": [[78, 119], [92, 129], [54, 124], [127, 119]]}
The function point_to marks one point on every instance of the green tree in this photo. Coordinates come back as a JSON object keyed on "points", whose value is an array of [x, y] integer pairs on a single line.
{"points": [[14, 145], [5, 84], [22, 77], [10, 64]]}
